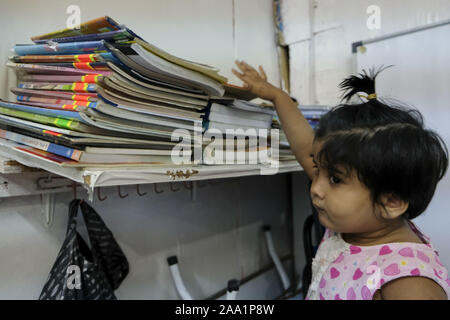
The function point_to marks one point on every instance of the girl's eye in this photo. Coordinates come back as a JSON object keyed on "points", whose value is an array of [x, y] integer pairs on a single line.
{"points": [[334, 180]]}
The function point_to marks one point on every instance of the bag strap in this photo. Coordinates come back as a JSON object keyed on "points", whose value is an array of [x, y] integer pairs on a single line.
{"points": [[73, 212]]}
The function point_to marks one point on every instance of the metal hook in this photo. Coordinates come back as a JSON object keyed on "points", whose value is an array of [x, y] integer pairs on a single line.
{"points": [[172, 188], [48, 208], [140, 193], [49, 178], [156, 189], [98, 195], [120, 194]]}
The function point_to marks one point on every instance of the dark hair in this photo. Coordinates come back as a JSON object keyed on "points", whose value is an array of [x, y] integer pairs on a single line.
{"points": [[387, 145]]}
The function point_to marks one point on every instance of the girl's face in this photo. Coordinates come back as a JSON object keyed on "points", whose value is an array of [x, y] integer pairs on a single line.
{"points": [[343, 203]]}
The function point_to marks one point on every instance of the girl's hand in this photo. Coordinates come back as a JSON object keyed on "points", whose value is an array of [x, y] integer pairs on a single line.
{"points": [[256, 82]]}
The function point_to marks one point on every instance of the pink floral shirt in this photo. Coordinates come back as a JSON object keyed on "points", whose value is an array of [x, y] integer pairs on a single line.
{"points": [[341, 271]]}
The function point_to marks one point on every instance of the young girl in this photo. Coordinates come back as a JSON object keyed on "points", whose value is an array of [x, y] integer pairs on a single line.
{"points": [[373, 167]]}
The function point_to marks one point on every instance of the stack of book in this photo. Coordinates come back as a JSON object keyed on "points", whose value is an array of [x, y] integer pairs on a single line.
{"points": [[248, 122], [240, 114], [101, 95]]}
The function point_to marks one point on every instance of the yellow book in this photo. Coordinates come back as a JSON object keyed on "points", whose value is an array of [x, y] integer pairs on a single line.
{"points": [[201, 68]]}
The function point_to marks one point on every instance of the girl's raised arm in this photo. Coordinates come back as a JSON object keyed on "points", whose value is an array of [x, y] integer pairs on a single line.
{"points": [[298, 131]]}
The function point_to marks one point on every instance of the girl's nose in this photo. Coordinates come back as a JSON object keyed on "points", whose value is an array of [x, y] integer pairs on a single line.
{"points": [[316, 190]]}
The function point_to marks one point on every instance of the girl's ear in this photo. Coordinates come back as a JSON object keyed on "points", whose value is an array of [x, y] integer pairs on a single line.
{"points": [[394, 207]]}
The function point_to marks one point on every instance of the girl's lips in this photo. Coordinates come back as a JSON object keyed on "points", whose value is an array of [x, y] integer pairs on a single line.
{"points": [[317, 207]]}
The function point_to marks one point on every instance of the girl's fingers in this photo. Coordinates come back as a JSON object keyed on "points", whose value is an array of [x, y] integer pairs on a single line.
{"points": [[241, 76], [263, 73], [248, 72], [244, 66], [249, 67], [236, 72]]}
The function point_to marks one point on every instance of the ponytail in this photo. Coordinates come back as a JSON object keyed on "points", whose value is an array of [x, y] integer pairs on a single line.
{"points": [[365, 83]]}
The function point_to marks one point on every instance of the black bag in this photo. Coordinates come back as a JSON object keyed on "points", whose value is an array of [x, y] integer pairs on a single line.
{"points": [[83, 273]]}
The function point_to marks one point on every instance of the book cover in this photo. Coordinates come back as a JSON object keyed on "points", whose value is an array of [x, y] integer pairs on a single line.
{"points": [[79, 87], [66, 107], [61, 48], [83, 96], [44, 155], [89, 78], [208, 71], [41, 144], [67, 58], [46, 69], [69, 115], [89, 57], [98, 25], [156, 64], [94, 66], [56, 102], [52, 121], [116, 35]]}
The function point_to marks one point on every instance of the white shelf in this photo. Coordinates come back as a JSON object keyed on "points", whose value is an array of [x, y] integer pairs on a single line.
{"points": [[103, 177]]}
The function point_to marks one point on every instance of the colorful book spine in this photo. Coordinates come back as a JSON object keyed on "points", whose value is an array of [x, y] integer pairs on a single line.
{"points": [[44, 155], [96, 66], [115, 35], [102, 24], [52, 121], [56, 106], [41, 68], [42, 145], [70, 115], [57, 94], [89, 78], [61, 48], [73, 87], [33, 99], [93, 57]]}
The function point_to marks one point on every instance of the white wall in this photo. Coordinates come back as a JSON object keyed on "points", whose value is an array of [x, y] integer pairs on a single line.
{"points": [[320, 53], [218, 236], [332, 27]]}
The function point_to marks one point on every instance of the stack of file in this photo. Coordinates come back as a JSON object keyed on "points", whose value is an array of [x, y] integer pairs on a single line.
{"points": [[240, 114], [246, 121], [101, 95]]}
